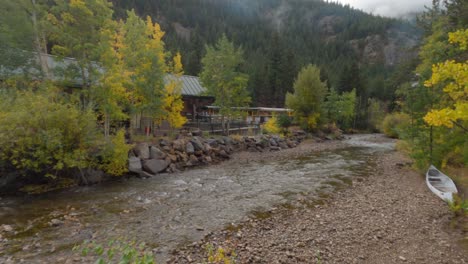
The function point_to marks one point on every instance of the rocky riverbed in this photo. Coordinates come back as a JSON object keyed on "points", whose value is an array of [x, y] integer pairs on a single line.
{"points": [[349, 201], [388, 217]]}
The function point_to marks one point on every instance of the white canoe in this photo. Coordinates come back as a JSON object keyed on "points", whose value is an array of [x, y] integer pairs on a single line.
{"points": [[440, 184]]}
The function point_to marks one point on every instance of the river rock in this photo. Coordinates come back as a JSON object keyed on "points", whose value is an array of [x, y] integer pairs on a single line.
{"points": [[208, 148], [134, 164], [164, 143], [228, 140], [182, 156], [193, 159], [275, 148], [7, 228], [189, 148], [173, 158], [55, 222], [212, 142], [156, 153], [142, 151], [291, 143], [197, 142], [224, 154], [179, 145], [273, 142], [154, 166]]}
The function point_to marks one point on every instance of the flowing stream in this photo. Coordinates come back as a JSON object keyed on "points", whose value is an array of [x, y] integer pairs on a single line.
{"points": [[174, 209]]}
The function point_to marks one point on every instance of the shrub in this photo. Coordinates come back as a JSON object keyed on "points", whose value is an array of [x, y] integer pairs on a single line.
{"points": [[41, 133], [115, 155], [271, 126], [284, 121], [393, 124], [117, 251], [220, 255]]}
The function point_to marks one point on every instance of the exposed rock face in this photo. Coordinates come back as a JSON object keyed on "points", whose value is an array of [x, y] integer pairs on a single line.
{"points": [[389, 50]]}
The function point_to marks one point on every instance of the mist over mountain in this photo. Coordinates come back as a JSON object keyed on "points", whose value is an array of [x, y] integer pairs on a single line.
{"points": [[394, 8], [353, 49]]}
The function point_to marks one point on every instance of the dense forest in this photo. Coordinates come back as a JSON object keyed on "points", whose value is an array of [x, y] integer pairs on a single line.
{"points": [[353, 49]]}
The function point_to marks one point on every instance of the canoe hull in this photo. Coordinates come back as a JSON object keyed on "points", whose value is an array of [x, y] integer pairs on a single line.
{"points": [[440, 184]]}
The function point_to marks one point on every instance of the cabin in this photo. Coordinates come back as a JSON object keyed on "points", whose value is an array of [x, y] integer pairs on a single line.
{"points": [[193, 95]]}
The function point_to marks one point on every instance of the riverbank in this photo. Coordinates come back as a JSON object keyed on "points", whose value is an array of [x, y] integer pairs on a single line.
{"points": [[389, 217]]}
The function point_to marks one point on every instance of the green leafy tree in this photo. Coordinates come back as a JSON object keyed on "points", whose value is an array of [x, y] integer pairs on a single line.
{"points": [[22, 32], [111, 92], [307, 99], [144, 58], [222, 79], [341, 108], [76, 32]]}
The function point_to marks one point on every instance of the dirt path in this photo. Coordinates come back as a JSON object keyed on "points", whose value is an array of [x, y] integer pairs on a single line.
{"points": [[391, 217]]}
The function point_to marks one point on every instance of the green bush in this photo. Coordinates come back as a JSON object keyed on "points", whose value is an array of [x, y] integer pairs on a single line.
{"points": [[115, 155], [41, 133], [393, 124], [284, 121]]}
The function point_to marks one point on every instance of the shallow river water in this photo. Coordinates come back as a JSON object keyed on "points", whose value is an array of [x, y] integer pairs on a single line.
{"points": [[175, 209]]}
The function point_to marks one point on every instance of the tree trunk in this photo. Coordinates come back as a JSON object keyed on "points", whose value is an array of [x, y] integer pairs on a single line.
{"points": [[40, 48]]}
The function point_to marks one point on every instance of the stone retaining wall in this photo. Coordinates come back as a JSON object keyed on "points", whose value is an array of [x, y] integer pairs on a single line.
{"points": [[172, 156]]}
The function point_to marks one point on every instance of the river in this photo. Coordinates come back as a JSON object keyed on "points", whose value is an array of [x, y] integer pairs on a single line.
{"points": [[175, 209]]}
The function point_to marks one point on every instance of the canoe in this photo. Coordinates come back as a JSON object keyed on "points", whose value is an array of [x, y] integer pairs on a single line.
{"points": [[440, 184]]}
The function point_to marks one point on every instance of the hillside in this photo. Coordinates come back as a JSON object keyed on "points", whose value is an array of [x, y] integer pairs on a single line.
{"points": [[279, 37]]}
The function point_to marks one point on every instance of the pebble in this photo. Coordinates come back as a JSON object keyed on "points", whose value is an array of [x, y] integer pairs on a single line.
{"points": [[7, 228], [55, 222]]}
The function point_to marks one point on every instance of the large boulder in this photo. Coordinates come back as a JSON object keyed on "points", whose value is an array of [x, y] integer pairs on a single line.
{"points": [[273, 142], [134, 164], [164, 143], [224, 154], [189, 148], [179, 145], [282, 145], [155, 166], [197, 142], [142, 151], [212, 142], [156, 153]]}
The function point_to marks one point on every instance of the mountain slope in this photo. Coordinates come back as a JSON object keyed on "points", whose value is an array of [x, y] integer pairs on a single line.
{"points": [[281, 36]]}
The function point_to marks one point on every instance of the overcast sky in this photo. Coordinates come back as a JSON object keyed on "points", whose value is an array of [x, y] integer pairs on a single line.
{"points": [[391, 8]]}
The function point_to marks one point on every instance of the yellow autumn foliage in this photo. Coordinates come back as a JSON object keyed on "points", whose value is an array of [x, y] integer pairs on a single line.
{"points": [[172, 99], [271, 126], [454, 78]]}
